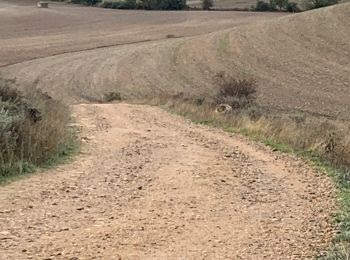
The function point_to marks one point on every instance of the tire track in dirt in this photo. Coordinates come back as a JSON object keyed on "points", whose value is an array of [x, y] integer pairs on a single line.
{"points": [[150, 185]]}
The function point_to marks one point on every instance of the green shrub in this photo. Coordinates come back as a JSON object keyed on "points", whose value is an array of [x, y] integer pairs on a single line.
{"points": [[281, 4], [121, 4], [163, 4], [146, 4], [273, 5], [314, 4], [262, 6], [33, 129], [293, 7], [86, 2], [109, 4]]}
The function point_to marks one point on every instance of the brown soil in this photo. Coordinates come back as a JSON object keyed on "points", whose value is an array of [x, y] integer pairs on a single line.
{"points": [[301, 61], [28, 32], [149, 185]]}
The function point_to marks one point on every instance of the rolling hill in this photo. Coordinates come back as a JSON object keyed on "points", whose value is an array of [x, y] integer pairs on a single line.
{"points": [[301, 62]]}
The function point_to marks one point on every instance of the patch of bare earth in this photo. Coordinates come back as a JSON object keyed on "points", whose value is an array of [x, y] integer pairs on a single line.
{"points": [[150, 185]]}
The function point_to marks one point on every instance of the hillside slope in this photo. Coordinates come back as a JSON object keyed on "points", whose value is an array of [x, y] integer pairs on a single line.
{"points": [[28, 32], [301, 61]]}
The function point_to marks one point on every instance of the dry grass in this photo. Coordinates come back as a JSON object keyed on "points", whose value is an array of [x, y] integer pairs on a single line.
{"points": [[111, 96], [238, 93], [327, 138], [33, 130], [318, 136]]}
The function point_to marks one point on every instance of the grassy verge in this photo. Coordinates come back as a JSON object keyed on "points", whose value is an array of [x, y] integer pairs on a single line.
{"points": [[35, 132], [318, 141], [21, 169]]}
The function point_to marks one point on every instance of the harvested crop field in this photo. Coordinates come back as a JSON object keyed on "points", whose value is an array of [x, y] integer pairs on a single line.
{"points": [[28, 32], [301, 61]]}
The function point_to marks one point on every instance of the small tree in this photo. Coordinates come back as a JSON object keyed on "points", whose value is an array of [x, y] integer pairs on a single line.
{"points": [[293, 7], [207, 4], [162, 4], [171, 4], [273, 5]]}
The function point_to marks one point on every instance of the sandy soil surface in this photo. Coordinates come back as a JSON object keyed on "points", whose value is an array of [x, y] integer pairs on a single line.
{"points": [[150, 185]]}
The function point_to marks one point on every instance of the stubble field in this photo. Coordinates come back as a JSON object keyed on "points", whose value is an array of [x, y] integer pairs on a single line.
{"points": [[77, 54]]}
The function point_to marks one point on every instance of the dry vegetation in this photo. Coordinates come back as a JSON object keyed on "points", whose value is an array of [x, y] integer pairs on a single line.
{"points": [[326, 138], [33, 130]]}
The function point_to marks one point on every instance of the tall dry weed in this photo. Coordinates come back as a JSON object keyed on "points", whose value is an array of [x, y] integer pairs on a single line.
{"points": [[33, 128]]}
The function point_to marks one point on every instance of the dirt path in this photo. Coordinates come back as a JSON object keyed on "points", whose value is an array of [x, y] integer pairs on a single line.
{"points": [[149, 185]]}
